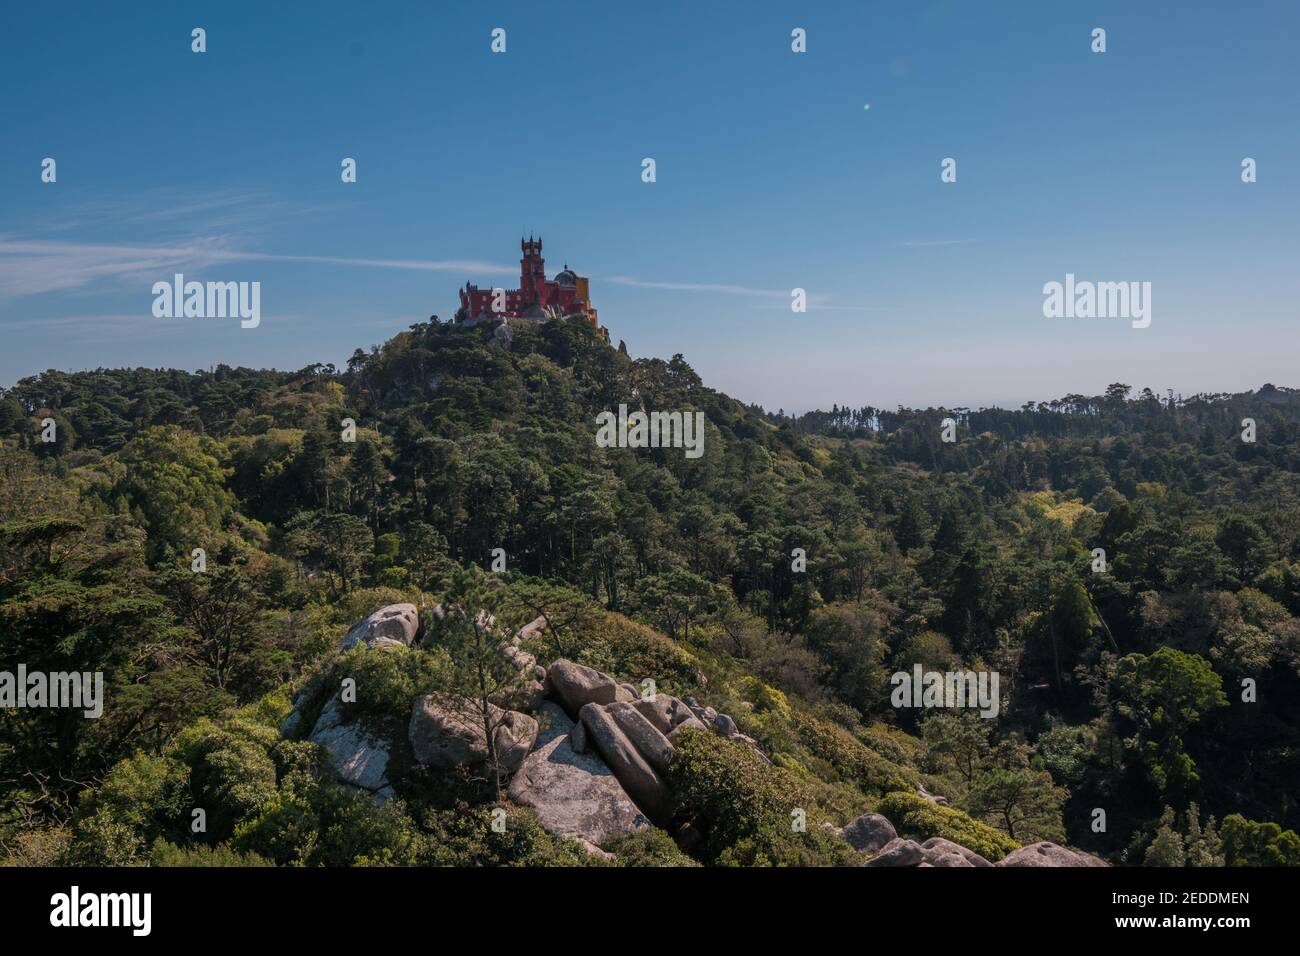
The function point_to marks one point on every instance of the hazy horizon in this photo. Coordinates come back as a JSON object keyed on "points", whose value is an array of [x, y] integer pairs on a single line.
{"points": [[853, 401]]}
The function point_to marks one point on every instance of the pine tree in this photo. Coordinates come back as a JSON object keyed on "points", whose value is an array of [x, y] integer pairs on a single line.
{"points": [[1167, 848]]}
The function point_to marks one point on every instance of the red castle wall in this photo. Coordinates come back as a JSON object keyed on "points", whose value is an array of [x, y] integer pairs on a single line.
{"points": [[535, 293]]}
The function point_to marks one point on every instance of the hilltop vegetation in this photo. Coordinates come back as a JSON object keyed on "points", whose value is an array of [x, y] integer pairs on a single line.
{"points": [[1122, 689]]}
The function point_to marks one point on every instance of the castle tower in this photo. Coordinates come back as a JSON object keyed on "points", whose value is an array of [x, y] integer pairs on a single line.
{"points": [[532, 270]]}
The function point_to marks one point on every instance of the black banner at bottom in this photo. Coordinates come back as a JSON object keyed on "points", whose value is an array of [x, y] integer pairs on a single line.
{"points": [[345, 905]]}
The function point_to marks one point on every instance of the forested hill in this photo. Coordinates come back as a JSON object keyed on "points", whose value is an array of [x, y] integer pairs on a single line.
{"points": [[1161, 685]]}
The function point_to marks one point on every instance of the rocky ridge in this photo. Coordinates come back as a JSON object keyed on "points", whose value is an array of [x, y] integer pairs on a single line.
{"points": [[589, 754]]}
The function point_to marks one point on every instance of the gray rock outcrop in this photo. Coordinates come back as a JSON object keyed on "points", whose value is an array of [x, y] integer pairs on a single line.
{"points": [[531, 691], [869, 832], [690, 723], [574, 795], [295, 723], [533, 629], [1048, 854], [394, 624], [665, 711], [575, 686], [643, 735], [578, 737], [941, 852], [641, 781], [446, 733], [357, 757], [898, 852]]}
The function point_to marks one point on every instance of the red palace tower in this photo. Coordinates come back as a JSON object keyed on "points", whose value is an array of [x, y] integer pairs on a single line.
{"points": [[536, 298]]}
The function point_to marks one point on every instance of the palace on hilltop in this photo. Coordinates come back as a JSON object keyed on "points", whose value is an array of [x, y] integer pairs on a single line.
{"points": [[537, 297]]}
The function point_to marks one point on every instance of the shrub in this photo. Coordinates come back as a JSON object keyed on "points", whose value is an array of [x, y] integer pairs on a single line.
{"points": [[269, 710], [892, 744], [232, 775], [633, 651], [651, 847], [743, 806], [37, 847], [1249, 843], [464, 837], [331, 825], [851, 758], [300, 765], [916, 817], [764, 697], [388, 679], [287, 831], [169, 854], [142, 798]]}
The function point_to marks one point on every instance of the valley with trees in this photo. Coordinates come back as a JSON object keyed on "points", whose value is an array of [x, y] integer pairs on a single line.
{"points": [[1160, 689]]}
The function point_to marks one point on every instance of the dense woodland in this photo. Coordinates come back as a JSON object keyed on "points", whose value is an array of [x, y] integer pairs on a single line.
{"points": [[1164, 690]]}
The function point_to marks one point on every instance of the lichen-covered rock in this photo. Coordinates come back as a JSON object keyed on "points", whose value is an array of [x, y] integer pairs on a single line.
{"points": [[576, 685], [574, 795], [395, 624], [941, 852], [641, 781], [520, 658], [578, 737], [644, 736], [929, 797], [594, 850], [898, 852], [527, 697], [295, 724], [665, 711], [531, 630], [357, 757], [869, 832], [530, 692], [1048, 855], [448, 732]]}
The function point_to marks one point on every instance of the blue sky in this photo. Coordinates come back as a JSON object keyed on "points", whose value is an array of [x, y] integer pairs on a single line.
{"points": [[1122, 166]]}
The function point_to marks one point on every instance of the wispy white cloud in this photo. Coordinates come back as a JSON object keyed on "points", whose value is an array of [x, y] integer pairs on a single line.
{"points": [[189, 232], [34, 266], [424, 265], [816, 301], [696, 287], [31, 267], [181, 211], [92, 326]]}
